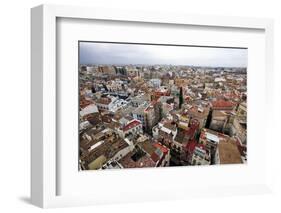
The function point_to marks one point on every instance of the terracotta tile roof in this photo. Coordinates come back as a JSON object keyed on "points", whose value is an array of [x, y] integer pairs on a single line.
{"points": [[222, 104], [84, 103], [164, 149], [131, 125], [104, 101], [155, 157]]}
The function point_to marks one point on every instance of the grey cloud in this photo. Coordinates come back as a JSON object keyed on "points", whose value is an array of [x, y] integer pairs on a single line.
{"points": [[112, 53]]}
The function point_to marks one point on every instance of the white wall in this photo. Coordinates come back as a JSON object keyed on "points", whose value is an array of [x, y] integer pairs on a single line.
{"points": [[15, 98]]}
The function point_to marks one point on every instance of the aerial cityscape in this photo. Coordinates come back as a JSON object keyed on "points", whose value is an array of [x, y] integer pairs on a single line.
{"points": [[146, 105]]}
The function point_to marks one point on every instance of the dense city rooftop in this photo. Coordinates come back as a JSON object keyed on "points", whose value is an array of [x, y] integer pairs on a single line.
{"points": [[135, 116]]}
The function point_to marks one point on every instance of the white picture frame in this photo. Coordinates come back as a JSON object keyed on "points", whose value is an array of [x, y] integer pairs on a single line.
{"points": [[44, 154]]}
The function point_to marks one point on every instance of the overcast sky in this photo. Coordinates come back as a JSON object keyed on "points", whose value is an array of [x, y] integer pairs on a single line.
{"points": [[111, 53]]}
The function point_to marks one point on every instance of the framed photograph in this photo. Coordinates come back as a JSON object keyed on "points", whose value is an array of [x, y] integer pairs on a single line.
{"points": [[131, 106]]}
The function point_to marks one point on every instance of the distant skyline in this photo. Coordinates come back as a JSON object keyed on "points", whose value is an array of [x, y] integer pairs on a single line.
{"points": [[119, 53]]}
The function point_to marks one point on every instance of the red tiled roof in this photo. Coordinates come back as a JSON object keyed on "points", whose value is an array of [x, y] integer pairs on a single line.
{"points": [[105, 101], [84, 103], [222, 103], [131, 125], [161, 147], [154, 157]]}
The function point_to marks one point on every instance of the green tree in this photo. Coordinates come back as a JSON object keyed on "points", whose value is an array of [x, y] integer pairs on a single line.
{"points": [[180, 98]]}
